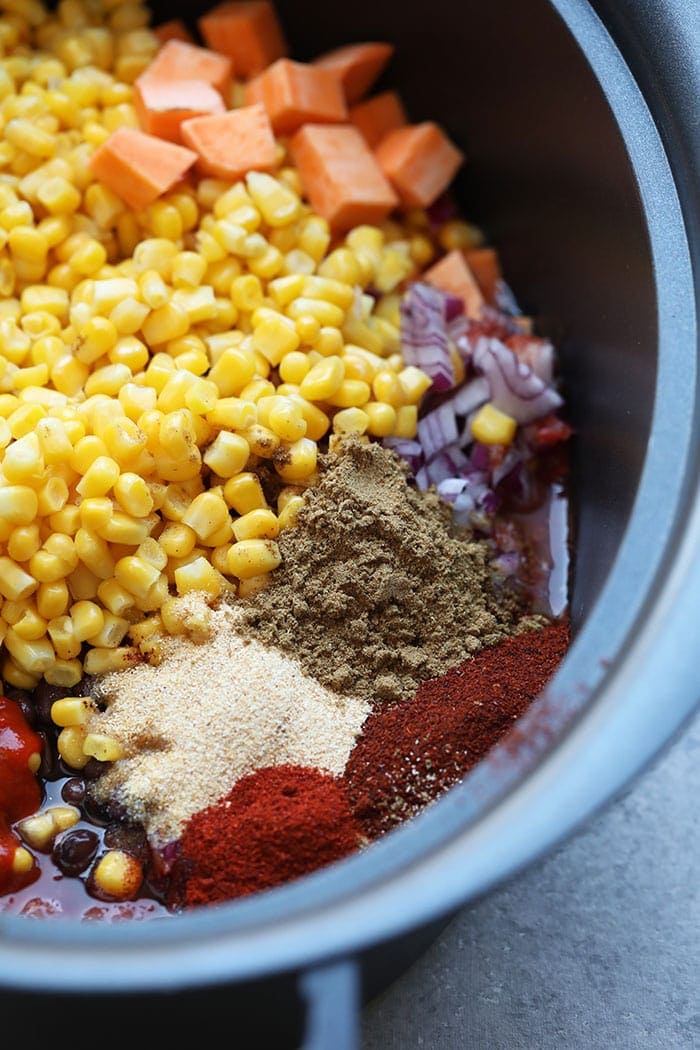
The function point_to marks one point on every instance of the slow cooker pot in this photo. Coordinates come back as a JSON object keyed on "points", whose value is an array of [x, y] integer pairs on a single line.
{"points": [[577, 120]]}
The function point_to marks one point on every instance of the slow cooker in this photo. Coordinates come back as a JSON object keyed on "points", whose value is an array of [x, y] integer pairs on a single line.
{"points": [[579, 124]]}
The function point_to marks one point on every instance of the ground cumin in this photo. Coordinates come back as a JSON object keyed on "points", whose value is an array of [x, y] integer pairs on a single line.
{"points": [[376, 593]]}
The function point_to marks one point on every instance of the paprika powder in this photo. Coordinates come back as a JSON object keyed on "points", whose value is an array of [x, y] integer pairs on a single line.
{"points": [[412, 752], [276, 824]]}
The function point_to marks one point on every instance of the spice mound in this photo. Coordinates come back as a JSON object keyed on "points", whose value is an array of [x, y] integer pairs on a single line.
{"points": [[411, 753], [376, 591], [274, 826], [208, 714]]}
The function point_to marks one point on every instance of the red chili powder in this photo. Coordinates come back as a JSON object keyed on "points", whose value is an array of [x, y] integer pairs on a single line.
{"points": [[276, 824], [410, 753]]}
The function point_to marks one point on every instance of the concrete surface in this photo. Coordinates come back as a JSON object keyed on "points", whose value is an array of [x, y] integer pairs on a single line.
{"points": [[596, 948]]}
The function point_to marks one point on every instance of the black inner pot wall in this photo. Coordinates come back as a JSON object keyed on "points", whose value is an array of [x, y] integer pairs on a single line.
{"points": [[549, 180]]}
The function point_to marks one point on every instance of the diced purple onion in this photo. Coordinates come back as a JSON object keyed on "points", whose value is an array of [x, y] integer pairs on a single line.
{"points": [[507, 564], [454, 308], [439, 469], [515, 389], [537, 353], [512, 459], [505, 299], [424, 340], [410, 451], [422, 479], [469, 396], [450, 488], [476, 495], [437, 430]]}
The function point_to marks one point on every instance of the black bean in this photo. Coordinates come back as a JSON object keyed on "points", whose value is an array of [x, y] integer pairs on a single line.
{"points": [[73, 791], [50, 766], [45, 696], [94, 769], [128, 838], [74, 852]]}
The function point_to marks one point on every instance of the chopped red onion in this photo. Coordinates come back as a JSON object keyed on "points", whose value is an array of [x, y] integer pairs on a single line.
{"points": [[535, 352], [506, 564], [410, 451], [469, 396], [512, 459], [437, 430], [505, 299], [450, 488], [424, 340], [515, 389]]}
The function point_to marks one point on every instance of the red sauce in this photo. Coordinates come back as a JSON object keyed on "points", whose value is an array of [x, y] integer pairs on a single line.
{"points": [[20, 794]]}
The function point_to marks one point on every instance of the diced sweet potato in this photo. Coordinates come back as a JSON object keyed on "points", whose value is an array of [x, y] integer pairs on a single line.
{"points": [[452, 274], [175, 29], [484, 264], [357, 66], [178, 60], [248, 31], [420, 161], [379, 115], [138, 167], [162, 105], [340, 175], [295, 93], [233, 143]]}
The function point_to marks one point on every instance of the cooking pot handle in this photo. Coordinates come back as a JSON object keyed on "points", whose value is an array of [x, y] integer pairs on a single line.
{"points": [[332, 994]]}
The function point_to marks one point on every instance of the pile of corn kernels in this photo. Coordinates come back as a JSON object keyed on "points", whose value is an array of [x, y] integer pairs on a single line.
{"points": [[151, 361]]}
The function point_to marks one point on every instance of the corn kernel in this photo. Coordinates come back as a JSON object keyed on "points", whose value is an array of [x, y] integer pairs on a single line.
{"points": [[19, 504], [244, 493], [253, 557], [298, 461], [490, 426], [102, 661], [199, 575], [227, 454], [206, 515], [118, 875], [256, 524], [15, 583], [323, 379], [382, 418], [72, 711], [103, 748]]}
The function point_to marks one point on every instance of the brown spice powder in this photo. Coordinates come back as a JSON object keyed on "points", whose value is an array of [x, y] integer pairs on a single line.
{"points": [[376, 593]]}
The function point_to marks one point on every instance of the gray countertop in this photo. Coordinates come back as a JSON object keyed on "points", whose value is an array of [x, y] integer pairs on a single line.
{"points": [[596, 948]]}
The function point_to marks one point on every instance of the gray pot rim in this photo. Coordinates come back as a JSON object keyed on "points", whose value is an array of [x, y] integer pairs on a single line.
{"points": [[626, 689]]}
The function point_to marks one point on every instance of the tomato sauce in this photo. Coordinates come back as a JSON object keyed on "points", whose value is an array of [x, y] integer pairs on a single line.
{"points": [[20, 793]]}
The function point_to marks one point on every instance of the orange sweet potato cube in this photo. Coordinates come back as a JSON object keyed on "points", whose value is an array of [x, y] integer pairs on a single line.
{"points": [[138, 167], [420, 161], [377, 116], [485, 265], [340, 175], [453, 274], [233, 143], [248, 31], [295, 93], [174, 29], [357, 66], [180, 60], [162, 105]]}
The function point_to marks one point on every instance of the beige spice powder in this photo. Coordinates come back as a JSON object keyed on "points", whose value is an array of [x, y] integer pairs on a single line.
{"points": [[206, 715]]}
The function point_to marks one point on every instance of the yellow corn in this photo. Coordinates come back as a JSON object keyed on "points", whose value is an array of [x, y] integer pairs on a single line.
{"points": [[493, 427], [253, 557]]}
